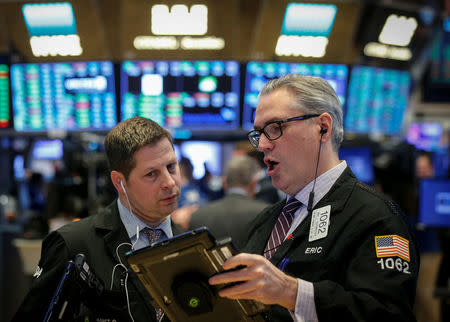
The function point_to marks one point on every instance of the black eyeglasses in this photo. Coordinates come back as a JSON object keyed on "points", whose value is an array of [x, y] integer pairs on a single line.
{"points": [[273, 130]]}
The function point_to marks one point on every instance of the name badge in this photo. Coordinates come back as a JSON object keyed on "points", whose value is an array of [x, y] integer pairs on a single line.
{"points": [[320, 221]]}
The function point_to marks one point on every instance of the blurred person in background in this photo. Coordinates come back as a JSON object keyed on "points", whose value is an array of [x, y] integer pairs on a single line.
{"points": [[35, 223], [191, 193], [231, 215], [264, 190], [192, 196]]}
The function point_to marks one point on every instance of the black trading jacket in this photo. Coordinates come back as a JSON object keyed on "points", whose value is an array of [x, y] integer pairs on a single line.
{"points": [[351, 283], [97, 237]]}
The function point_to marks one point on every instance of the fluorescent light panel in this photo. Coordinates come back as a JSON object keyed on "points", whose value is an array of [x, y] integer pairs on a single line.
{"points": [[49, 19], [179, 21], [398, 30], [307, 19]]}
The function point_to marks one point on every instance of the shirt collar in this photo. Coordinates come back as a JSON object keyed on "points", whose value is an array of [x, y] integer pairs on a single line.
{"points": [[324, 182], [131, 221]]}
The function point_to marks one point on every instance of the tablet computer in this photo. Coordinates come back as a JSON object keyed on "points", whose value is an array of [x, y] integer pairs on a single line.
{"points": [[176, 271]]}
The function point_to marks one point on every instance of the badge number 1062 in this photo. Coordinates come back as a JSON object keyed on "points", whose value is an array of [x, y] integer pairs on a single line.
{"points": [[398, 264]]}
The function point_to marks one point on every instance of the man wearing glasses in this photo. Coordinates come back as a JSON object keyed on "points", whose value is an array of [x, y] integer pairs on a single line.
{"points": [[335, 248]]}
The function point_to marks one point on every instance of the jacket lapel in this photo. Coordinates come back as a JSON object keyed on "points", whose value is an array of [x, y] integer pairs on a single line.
{"points": [[114, 234], [264, 225], [336, 198]]}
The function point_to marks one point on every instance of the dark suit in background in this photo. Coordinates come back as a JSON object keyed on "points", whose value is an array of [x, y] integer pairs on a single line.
{"points": [[228, 217]]}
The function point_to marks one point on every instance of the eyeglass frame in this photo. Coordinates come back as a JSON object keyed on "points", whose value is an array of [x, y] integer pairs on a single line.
{"points": [[279, 123]]}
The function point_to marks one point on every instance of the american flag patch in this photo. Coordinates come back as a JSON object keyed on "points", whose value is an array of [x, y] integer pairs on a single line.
{"points": [[392, 245]]}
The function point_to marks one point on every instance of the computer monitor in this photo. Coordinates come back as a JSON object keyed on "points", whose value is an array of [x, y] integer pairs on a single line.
{"points": [[69, 96], [359, 159], [425, 136], [189, 95], [377, 100], [43, 155], [434, 202], [202, 153], [47, 149], [259, 73]]}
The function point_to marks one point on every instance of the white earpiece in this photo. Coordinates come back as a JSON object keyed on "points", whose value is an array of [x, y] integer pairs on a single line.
{"points": [[121, 184]]}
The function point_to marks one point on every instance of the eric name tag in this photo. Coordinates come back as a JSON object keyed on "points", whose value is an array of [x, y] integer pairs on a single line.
{"points": [[320, 221]]}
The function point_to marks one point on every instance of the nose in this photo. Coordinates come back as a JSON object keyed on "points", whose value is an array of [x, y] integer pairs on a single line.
{"points": [[264, 143], [168, 180]]}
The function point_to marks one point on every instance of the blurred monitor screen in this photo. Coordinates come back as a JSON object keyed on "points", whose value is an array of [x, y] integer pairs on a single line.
{"points": [[47, 149], [259, 73], [5, 120], [434, 202], [192, 95], [436, 83], [19, 167], [377, 100], [359, 159], [63, 96], [425, 136], [201, 154]]}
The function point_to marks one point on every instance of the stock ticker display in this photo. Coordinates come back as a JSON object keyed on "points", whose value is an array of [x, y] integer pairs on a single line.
{"points": [[377, 100], [259, 73], [191, 95], [67, 96], [4, 96]]}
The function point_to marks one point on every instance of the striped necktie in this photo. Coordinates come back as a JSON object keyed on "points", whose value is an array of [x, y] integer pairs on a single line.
{"points": [[281, 227], [154, 235]]}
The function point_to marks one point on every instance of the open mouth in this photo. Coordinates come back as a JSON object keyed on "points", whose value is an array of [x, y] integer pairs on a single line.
{"points": [[271, 164]]}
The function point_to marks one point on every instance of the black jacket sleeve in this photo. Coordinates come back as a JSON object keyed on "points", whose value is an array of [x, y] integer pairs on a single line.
{"points": [[54, 259]]}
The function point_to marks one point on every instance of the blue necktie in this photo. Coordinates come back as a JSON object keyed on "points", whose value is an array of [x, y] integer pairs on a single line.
{"points": [[154, 235]]}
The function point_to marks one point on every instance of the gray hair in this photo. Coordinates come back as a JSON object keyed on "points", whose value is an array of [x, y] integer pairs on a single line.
{"points": [[240, 170], [313, 95]]}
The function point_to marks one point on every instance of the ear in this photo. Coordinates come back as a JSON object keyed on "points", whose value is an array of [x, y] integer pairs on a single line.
{"points": [[116, 178], [326, 124]]}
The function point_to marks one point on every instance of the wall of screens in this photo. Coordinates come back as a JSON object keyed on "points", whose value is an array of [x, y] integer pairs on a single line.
{"points": [[186, 95], [5, 121], [377, 100], [259, 73], [67, 96], [193, 95]]}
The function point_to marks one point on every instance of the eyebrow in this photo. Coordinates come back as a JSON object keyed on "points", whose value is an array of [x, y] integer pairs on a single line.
{"points": [[269, 121], [155, 168]]}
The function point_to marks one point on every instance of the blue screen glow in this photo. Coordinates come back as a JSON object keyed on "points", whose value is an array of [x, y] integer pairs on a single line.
{"points": [[48, 149], [434, 202], [359, 159]]}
